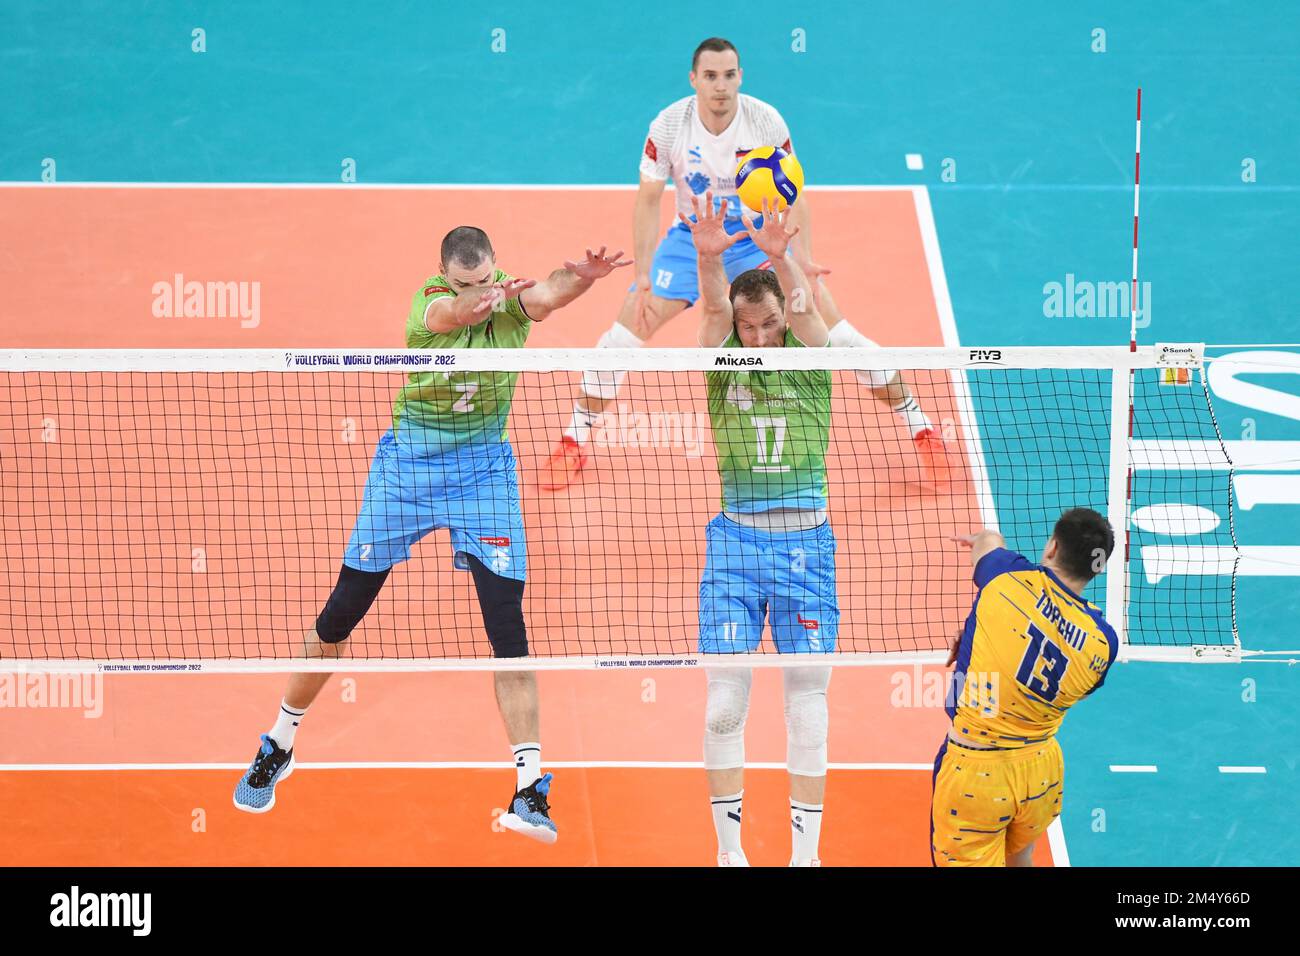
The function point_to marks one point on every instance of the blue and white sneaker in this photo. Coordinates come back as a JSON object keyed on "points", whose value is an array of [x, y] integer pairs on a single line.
{"points": [[528, 813], [256, 790]]}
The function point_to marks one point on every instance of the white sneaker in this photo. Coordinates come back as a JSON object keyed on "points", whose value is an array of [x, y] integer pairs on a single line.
{"points": [[727, 858], [813, 862]]}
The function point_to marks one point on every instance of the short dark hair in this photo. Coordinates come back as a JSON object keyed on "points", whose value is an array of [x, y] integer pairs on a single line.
{"points": [[467, 245], [713, 45], [1082, 536], [753, 283]]}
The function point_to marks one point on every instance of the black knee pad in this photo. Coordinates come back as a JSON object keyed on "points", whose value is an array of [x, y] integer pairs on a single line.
{"points": [[351, 598], [502, 602]]}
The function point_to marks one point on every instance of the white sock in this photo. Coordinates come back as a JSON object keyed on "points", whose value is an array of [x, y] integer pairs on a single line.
{"points": [[726, 821], [286, 725], [581, 423], [528, 764], [915, 419], [805, 830]]}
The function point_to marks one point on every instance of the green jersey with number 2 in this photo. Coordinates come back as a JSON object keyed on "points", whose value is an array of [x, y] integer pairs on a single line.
{"points": [[438, 409]]}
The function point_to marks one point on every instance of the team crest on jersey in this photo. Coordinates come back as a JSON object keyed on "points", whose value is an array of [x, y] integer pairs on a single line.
{"points": [[741, 397], [650, 149], [697, 182], [697, 157]]}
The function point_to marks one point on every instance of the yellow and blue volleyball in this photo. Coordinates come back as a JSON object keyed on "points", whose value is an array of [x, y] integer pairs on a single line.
{"points": [[768, 173]]}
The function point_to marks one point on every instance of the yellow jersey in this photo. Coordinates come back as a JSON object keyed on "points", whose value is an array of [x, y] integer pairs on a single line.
{"points": [[1030, 650]]}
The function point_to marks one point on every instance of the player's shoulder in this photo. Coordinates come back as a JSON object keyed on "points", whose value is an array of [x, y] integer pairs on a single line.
{"points": [[1001, 561], [435, 287], [1104, 629], [676, 112], [759, 110]]}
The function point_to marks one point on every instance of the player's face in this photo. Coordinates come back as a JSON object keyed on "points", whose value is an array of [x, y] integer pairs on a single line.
{"points": [[759, 325], [464, 278], [716, 81]]}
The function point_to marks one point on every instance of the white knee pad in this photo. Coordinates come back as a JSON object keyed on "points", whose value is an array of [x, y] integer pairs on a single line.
{"points": [[725, 711], [845, 336], [806, 720], [605, 385]]}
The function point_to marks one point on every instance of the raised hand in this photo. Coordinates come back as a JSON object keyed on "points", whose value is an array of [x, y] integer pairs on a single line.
{"points": [[597, 265], [492, 297], [709, 229], [774, 238]]}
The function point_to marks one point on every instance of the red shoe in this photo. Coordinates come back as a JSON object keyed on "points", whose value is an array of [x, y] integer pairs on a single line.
{"points": [[563, 466], [934, 456]]}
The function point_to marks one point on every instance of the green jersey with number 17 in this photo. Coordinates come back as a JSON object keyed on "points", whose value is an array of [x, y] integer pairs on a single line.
{"points": [[441, 409], [771, 430]]}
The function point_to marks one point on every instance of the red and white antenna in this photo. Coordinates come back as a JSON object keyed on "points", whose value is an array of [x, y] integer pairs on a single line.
{"points": [[1133, 292]]}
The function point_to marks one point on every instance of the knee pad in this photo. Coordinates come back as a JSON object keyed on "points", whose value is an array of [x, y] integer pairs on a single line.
{"points": [[605, 385], [845, 335], [725, 710], [348, 603], [501, 600], [806, 720]]}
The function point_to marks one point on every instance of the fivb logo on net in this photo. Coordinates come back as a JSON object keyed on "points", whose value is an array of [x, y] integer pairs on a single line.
{"points": [[190, 299], [42, 690]]}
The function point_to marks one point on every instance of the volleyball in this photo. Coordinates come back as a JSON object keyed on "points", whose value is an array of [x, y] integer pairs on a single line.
{"points": [[770, 173]]}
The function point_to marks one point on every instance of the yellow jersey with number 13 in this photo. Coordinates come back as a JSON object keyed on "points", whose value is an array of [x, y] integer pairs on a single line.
{"points": [[1031, 649]]}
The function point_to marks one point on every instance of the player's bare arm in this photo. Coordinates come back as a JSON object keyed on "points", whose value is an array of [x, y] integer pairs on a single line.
{"points": [[775, 239], [645, 236], [564, 285], [711, 241], [980, 543], [472, 303], [801, 248]]}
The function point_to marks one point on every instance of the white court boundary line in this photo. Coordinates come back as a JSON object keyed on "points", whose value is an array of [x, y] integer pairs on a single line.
{"points": [[420, 187], [442, 765]]}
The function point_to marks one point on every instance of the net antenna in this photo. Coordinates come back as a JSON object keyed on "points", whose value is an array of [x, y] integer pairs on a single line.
{"points": [[1120, 508]]}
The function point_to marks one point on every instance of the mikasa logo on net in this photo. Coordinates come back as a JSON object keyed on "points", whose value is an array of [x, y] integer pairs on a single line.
{"points": [[733, 360]]}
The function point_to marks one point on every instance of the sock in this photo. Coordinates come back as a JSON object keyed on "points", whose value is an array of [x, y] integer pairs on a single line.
{"points": [[805, 830], [528, 764], [286, 725], [581, 423], [912, 416], [726, 821]]}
